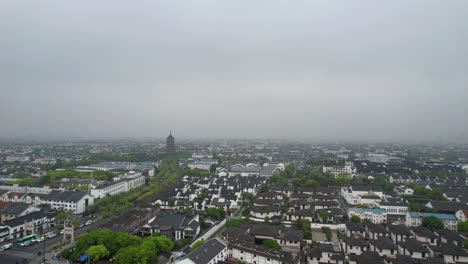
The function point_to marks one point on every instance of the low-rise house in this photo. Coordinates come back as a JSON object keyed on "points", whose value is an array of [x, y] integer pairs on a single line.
{"points": [[450, 254], [270, 195], [325, 204], [175, 226], [424, 235], [368, 257], [4, 233], [210, 252], [306, 214], [399, 233], [450, 237], [375, 231], [323, 253], [413, 248], [253, 253], [267, 202], [384, 246], [445, 207], [462, 215], [15, 210], [290, 239], [29, 224], [355, 245], [298, 205], [265, 211], [355, 229]]}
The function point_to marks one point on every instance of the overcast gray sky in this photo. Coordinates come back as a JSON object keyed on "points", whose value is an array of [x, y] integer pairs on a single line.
{"points": [[334, 70]]}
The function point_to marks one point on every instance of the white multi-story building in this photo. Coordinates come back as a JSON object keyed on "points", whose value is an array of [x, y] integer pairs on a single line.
{"points": [[204, 164], [77, 202], [17, 158], [374, 215], [348, 168], [121, 184], [394, 208], [416, 218], [362, 195]]}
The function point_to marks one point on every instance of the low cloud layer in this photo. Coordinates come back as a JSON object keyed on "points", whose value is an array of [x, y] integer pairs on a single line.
{"points": [[314, 70]]}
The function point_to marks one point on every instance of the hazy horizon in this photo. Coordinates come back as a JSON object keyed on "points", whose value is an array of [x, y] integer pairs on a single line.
{"points": [[364, 71]]}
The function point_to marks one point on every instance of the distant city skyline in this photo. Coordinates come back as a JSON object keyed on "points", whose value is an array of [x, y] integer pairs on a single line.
{"points": [[312, 70]]}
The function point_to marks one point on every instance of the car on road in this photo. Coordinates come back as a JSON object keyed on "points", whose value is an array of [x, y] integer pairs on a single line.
{"points": [[61, 231], [82, 225], [89, 222], [39, 239], [51, 234], [6, 246]]}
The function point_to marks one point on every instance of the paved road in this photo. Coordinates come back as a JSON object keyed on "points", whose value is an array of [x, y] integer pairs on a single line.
{"points": [[29, 254]]}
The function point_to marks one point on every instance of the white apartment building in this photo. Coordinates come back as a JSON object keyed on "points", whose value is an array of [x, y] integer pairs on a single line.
{"points": [[394, 208], [77, 202], [374, 215], [17, 158], [416, 218], [121, 184], [362, 195], [204, 164], [348, 168]]}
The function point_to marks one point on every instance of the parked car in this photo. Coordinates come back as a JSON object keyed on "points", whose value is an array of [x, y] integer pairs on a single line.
{"points": [[89, 222]]}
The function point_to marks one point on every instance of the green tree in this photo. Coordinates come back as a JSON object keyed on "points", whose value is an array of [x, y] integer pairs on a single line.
{"points": [[237, 222], [355, 219], [213, 168], [311, 183], [324, 216], [127, 255], [246, 212], [97, 252], [264, 188], [465, 244], [463, 226], [432, 223], [196, 245], [327, 232], [415, 207], [216, 213], [270, 243], [304, 225]]}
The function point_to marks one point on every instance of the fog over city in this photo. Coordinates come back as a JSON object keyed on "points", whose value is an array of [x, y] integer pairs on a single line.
{"points": [[311, 70]]}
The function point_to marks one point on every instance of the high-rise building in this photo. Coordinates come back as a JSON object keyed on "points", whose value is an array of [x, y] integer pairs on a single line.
{"points": [[170, 143]]}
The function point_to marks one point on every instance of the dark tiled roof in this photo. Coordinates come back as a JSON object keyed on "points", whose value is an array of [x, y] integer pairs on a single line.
{"points": [[284, 257], [377, 228], [68, 196], [27, 218], [367, 257], [413, 245], [423, 232], [207, 251], [384, 243], [15, 208], [399, 230]]}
